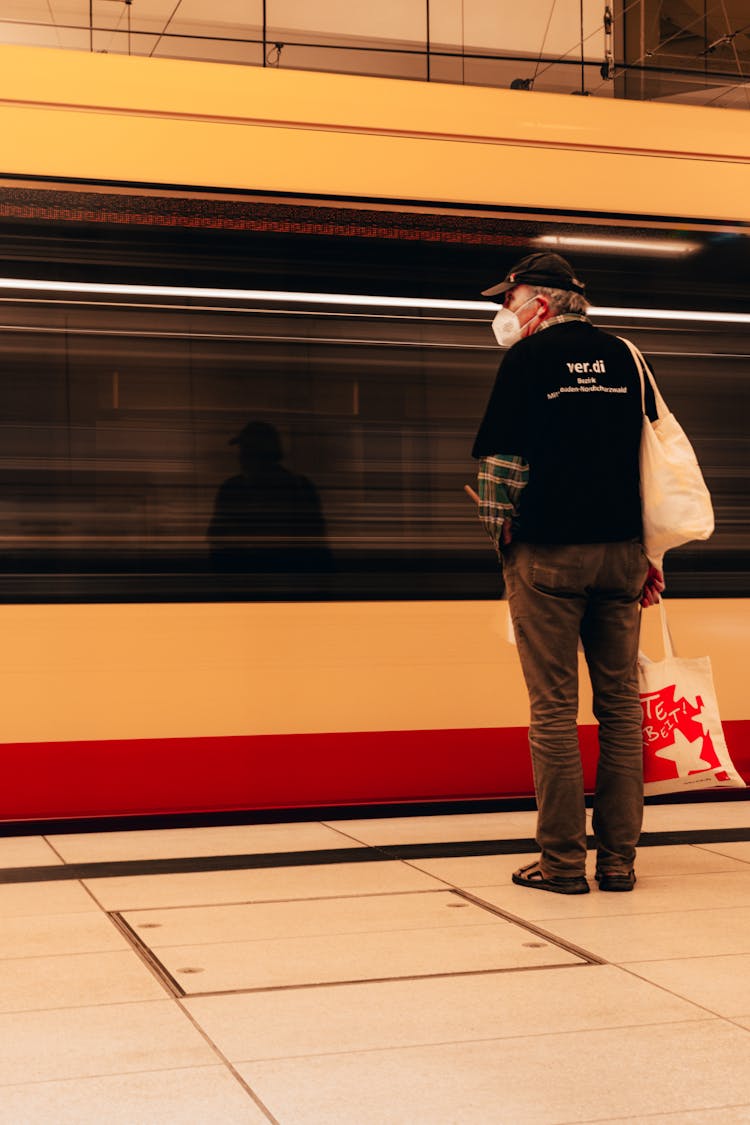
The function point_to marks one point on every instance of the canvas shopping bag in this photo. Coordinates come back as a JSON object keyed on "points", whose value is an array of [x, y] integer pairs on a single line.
{"points": [[676, 505], [683, 741]]}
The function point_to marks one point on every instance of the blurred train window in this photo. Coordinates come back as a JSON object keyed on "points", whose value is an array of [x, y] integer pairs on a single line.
{"points": [[208, 455], [166, 448]]}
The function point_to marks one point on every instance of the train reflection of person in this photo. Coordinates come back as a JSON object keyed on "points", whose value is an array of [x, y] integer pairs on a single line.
{"points": [[267, 520]]}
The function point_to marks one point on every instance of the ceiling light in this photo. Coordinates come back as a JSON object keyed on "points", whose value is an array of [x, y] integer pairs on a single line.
{"points": [[624, 245]]}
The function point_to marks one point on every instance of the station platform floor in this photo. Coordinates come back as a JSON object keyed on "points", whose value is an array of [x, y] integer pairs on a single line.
{"points": [[373, 972]]}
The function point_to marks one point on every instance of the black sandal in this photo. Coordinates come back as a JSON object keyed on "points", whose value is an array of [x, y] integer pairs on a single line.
{"points": [[532, 876], [615, 880]]}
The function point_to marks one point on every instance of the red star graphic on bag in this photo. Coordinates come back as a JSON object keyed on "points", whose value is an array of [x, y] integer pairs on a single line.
{"points": [[675, 741]]}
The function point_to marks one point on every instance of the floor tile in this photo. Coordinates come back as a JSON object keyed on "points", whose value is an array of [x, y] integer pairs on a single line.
{"points": [[26, 851], [259, 885], [474, 871], [198, 925], [694, 817], [740, 850], [164, 1097], [70, 981], [294, 962], [440, 829], [541, 1079], [523, 902], [37, 936], [111, 1039], [721, 984], [653, 895], [361, 1017], [241, 839], [45, 898], [682, 859], [659, 937], [727, 1115]]}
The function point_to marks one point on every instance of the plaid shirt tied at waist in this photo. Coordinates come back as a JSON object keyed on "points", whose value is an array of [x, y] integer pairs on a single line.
{"points": [[501, 480]]}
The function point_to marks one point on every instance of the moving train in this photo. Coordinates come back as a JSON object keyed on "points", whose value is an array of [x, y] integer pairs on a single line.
{"points": [[239, 569]]}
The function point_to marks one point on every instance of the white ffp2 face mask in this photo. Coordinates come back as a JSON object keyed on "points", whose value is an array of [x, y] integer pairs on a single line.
{"points": [[507, 326]]}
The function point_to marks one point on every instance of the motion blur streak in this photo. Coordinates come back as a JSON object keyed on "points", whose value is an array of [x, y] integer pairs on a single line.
{"points": [[200, 453], [354, 299]]}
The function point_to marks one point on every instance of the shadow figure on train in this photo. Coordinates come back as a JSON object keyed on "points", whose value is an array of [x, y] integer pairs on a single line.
{"points": [[266, 519]]}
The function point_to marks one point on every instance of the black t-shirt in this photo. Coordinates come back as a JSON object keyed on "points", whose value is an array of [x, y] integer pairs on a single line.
{"points": [[568, 400]]}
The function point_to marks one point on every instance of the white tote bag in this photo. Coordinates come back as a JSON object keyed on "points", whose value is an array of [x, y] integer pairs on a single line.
{"points": [[683, 742], [676, 505]]}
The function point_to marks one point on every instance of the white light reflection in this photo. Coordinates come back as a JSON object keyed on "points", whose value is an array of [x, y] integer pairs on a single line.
{"points": [[669, 314], [186, 291], [349, 299]]}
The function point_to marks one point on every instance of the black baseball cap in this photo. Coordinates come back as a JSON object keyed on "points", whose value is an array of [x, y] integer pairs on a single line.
{"points": [[549, 270]]}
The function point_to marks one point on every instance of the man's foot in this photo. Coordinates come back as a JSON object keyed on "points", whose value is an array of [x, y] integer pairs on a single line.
{"points": [[615, 880], [532, 876]]}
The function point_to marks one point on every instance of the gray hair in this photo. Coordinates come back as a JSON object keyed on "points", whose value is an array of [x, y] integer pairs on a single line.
{"points": [[562, 300]]}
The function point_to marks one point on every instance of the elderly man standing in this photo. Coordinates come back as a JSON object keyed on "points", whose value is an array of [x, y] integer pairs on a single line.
{"points": [[559, 494]]}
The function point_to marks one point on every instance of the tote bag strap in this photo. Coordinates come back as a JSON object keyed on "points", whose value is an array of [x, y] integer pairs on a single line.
{"points": [[666, 634], [644, 373]]}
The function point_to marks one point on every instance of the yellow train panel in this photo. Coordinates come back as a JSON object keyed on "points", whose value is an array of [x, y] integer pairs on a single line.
{"points": [[70, 114], [72, 672]]}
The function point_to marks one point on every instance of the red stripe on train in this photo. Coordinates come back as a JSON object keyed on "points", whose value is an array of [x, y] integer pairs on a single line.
{"points": [[126, 777]]}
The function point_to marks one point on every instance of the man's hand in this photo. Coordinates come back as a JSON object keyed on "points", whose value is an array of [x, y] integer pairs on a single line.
{"points": [[506, 533], [653, 587]]}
